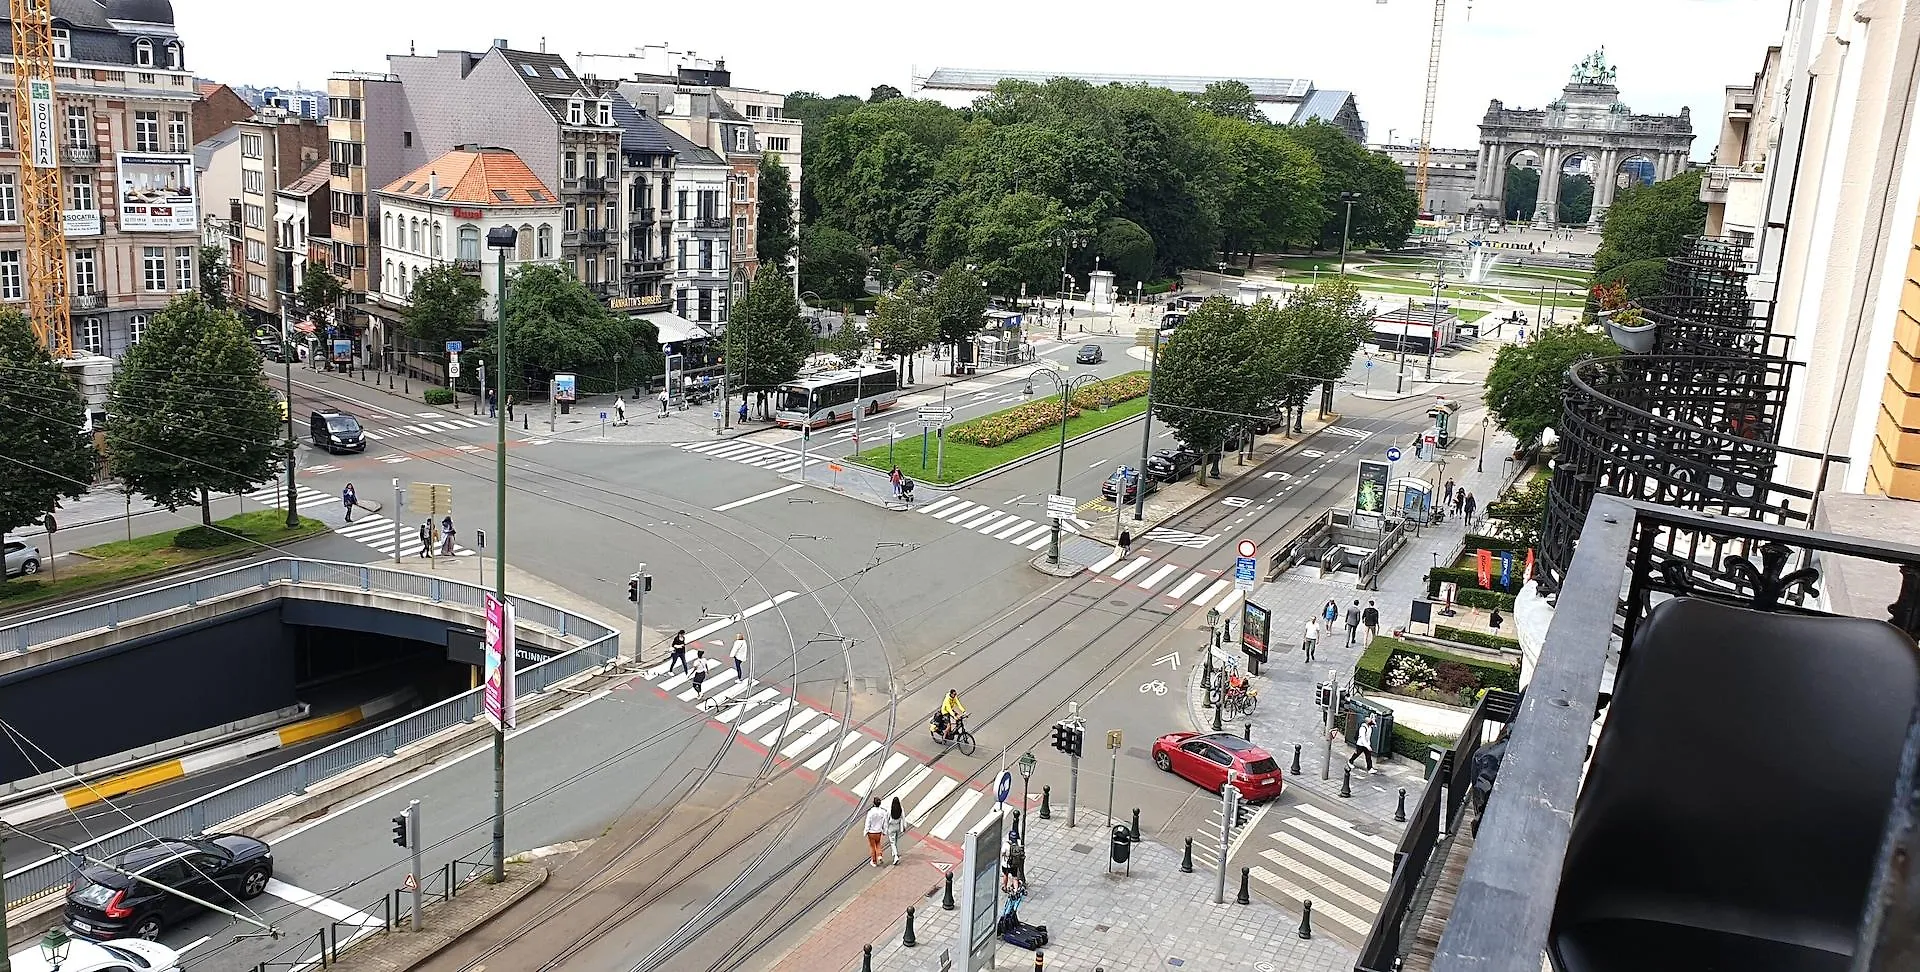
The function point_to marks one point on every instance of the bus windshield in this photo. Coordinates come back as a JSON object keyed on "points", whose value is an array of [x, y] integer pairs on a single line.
{"points": [[792, 399]]}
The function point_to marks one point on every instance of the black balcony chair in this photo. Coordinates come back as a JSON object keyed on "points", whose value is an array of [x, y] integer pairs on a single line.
{"points": [[1734, 804]]}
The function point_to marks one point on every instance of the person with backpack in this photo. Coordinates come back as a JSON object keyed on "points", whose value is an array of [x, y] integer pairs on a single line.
{"points": [[348, 499]]}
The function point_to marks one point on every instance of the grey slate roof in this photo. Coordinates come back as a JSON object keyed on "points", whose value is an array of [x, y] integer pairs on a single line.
{"points": [[689, 152], [639, 131], [973, 79], [552, 81], [203, 152], [1323, 104]]}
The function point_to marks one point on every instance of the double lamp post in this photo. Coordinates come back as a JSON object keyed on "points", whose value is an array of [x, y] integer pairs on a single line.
{"points": [[1066, 387]]}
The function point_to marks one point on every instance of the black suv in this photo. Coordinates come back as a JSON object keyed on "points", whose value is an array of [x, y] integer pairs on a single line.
{"points": [[104, 904], [1172, 465]]}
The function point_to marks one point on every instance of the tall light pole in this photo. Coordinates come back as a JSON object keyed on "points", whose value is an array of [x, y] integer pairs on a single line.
{"points": [[1481, 464], [502, 240], [1346, 228], [286, 356], [1066, 387], [1146, 434], [1069, 241]]}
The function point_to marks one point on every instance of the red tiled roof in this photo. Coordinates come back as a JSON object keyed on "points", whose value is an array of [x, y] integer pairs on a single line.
{"points": [[207, 88], [476, 176]]}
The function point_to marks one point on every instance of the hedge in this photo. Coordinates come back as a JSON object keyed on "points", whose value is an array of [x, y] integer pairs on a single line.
{"points": [[1371, 669], [1003, 427], [1477, 638], [1227, 271], [1480, 541], [1414, 744], [438, 396], [1158, 287], [1473, 597], [1468, 578]]}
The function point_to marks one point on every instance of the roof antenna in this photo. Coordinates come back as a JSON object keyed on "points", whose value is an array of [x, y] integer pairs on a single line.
{"points": [[409, 48]]}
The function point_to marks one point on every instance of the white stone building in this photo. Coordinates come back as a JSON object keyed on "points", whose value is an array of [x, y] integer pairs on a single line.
{"points": [[440, 213]]}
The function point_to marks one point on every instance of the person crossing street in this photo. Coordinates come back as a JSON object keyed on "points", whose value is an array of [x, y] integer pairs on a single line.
{"points": [[348, 498]]}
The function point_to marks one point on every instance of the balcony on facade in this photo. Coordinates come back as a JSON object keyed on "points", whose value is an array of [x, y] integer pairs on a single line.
{"points": [[643, 216], [589, 185], [709, 223], [646, 267], [86, 302], [343, 170], [80, 154], [468, 265], [600, 288]]}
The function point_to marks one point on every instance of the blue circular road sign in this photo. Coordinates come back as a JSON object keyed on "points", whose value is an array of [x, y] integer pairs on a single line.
{"points": [[1393, 454], [1004, 787]]}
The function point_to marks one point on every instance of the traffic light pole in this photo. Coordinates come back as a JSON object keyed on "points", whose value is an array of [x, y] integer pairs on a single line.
{"points": [[1073, 789], [1226, 838], [1326, 718], [639, 610], [414, 841]]}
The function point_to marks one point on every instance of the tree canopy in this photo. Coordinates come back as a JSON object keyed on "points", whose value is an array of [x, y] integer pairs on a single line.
{"points": [[1576, 199], [903, 320], [445, 305], [46, 458], [1651, 222], [1523, 190], [767, 341], [832, 264], [1524, 385], [554, 323], [215, 275], [191, 410], [320, 292], [775, 242], [1229, 99], [959, 304]]}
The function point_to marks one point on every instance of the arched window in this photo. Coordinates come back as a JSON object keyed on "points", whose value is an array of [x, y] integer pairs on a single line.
{"points": [[143, 52], [469, 243], [386, 281], [436, 239], [413, 235], [174, 59], [546, 241], [386, 227], [524, 243]]}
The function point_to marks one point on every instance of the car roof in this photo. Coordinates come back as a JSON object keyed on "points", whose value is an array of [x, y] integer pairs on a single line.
{"points": [[1232, 743]]}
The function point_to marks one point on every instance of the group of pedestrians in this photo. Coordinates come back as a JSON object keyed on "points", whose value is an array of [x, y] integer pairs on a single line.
{"points": [[902, 486], [438, 537], [696, 672], [1457, 500]]}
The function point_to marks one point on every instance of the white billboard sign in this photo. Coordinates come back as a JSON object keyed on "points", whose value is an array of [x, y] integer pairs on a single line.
{"points": [[40, 113], [156, 193], [82, 222]]}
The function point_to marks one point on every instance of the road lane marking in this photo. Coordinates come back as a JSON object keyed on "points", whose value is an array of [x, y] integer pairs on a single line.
{"points": [[332, 909], [938, 504], [736, 711], [890, 767], [1321, 905], [791, 727], [1347, 828], [773, 712], [852, 763], [707, 629], [955, 510], [720, 677], [1105, 562], [911, 783], [736, 504], [1315, 855], [1022, 524], [941, 787], [971, 521], [1132, 568], [810, 739], [1038, 531], [944, 828], [1037, 544], [1212, 591], [820, 759]]}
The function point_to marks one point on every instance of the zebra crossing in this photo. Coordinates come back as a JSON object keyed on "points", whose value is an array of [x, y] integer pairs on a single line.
{"points": [[1342, 430], [1180, 538], [1196, 587], [988, 521], [369, 529], [432, 423], [936, 805], [774, 458], [1313, 854]]}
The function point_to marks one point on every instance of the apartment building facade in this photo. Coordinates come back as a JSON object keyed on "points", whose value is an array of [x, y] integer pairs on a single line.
{"points": [[440, 214], [302, 230], [124, 103], [703, 255], [647, 167], [275, 150], [691, 107], [369, 131]]}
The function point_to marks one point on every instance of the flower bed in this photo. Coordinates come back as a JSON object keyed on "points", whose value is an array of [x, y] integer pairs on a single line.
{"points": [[1003, 427], [1421, 672]]}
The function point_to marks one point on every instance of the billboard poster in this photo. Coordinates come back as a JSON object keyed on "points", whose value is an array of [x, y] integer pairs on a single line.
{"points": [[40, 114], [1256, 623], [81, 222], [1370, 494], [565, 388], [498, 698], [156, 193]]}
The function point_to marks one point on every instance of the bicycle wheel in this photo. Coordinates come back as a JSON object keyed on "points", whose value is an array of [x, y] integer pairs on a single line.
{"points": [[965, 742]]}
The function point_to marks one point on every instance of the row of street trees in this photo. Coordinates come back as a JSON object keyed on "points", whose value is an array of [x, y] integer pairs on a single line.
{"points": [[1153, 180], [1229, 366]]}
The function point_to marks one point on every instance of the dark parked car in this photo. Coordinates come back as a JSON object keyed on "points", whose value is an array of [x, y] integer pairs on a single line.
{"points": [[1111, 487], [105, 904], [1090, 354], [1172, 465]]}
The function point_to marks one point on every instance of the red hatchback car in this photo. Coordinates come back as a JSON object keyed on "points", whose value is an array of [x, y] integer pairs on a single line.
{"points": [[1205, 758]]}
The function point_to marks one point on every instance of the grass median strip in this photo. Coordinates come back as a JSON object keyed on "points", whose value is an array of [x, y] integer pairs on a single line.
{"points": [[126, 560], [965, 459]]}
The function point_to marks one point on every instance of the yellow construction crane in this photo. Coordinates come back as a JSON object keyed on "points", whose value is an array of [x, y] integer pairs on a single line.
{"points": [[40, 194], [1426, 109]]}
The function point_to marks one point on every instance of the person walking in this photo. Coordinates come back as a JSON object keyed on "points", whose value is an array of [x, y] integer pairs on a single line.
{"points": [[493, 402], [679, 651], [743, 411], [1449, 490], [1310, 638], [426, 540], [1353, 623], [739, 654], [1328, 615], [895, 478], [619, 410], [347, 499], [1494, 621], [896, 825], [876, 831], [446, 535], [1126, 543], [663, 403], [699, 673], [1363, 743], [509, 408], [1370, 619], [1472, 504]]}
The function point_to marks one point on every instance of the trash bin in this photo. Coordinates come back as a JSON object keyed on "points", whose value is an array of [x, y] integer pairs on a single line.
{"points": [[1122, 843], [1357, 711], [1435, 757]]}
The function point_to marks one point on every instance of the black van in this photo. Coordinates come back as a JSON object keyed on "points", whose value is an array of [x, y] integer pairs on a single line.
{"points": [[337, 432]]}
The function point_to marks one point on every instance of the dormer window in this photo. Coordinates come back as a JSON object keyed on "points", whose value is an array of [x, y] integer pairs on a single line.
{"points": [[605, 113], [143, 53], [576, 112], [173, 56], [62, 44]]}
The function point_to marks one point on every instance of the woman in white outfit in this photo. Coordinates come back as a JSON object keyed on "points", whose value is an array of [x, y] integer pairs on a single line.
{"points": [[896, 825]]}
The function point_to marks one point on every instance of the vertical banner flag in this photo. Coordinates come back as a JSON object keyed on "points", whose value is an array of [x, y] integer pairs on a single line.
{"points": [[1506, 568], [1484, 561], [498, 697], [1528, 575]]}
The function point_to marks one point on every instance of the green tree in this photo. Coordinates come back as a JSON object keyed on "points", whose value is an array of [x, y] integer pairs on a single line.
{"points": [[554, 323], [1383, 215], [216, 276], [1523, 189], [1269, 188], [445, 305], [1309, 340], [192, 413], [44, 457], [959, 305], [320, 293], [882, 92], [1229, 99], [1211, 375], [767, 341], [849, 342], [775, 242], [1013, 239], [1524, 385], [1651, 222], [832, 264], [903, 323], [1127, 250], [1576, 199], [1520, 514]]}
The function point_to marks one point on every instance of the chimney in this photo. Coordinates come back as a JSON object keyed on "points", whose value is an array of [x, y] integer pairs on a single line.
{"points": [[433, 182], [500, 42]]}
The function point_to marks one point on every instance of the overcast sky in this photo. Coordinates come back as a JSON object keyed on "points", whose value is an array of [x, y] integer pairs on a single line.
{"points": [[1670, 53]]}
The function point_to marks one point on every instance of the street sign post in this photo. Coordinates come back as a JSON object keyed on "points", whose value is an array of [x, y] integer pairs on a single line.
{"points": [[455, 347], [1061, 507], [1003, 788], [1393, 454], [1246, 548], [1243, 572]]}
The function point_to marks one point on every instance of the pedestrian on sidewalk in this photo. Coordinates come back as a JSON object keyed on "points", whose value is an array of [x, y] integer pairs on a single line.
{"points": [[1472, 504], [699, 673], [663, 403], [493, 402], [509, 408], [679, 651], [1126, 543], [446, 535], [1370, 619], [1310, 638], [347, 499], [1363, 743], [739, 654], [876, 831], [743, 410], [1329, 615], [1449, 491], [619, 410], [896, 477], [426, 540], [1353, 623], [1495, 620], [896, 825]]}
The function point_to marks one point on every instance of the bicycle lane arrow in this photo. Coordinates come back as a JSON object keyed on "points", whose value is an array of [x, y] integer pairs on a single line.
{"points": [[1171, 660]]}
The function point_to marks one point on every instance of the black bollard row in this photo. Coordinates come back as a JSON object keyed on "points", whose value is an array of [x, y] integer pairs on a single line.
{"points": [[908, 940], [946, 899], [1186, 859], [1400, 808], [1136, 824], [1246, 732], [1243, 897], [1306, 919], [1346, 783]]}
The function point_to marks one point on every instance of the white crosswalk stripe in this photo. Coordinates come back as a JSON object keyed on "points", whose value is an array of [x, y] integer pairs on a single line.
{"points": [[1349, 433], [1310, 853], [368, 529], [990, 522], [756, 455], [1179, 538]]}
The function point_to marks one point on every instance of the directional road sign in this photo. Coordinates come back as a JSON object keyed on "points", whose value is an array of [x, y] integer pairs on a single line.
{"points": [[935, 413], [1393, 454], [455, 347], [1061, 507], [1003, 787]]}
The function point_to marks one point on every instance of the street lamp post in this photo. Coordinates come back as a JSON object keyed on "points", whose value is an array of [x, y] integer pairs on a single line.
{"points": [[1066, 387], [286, 355], [502, 240], [1480, 465], [1146, 434], [1069, 241], [1346, 227]]}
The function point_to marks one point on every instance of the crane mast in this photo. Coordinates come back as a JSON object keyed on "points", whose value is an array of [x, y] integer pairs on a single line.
{"points": [[40, 194], [1426, 109]]}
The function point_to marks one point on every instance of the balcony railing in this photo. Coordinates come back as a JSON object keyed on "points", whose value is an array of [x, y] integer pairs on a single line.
{"points": [[594, 237], [468, 265], [712, 222], [342, 219], [86, 301], [600, 288], [647, 265], [641, 217], [341, 169], [586, 184], [81, 154]]}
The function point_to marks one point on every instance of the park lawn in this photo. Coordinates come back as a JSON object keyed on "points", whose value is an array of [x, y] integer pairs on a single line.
{"points": [[1470, 314], [124, 560], [965, 459]]}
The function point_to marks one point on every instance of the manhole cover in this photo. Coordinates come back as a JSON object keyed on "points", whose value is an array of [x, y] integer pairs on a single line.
{"points": [[1116, 602], [1263, 967], [1083, 848]]}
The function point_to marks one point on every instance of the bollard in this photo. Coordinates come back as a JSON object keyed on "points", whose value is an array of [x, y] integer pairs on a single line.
{"points": [[946, 899], [866, 958], [1246, 732], [907, 940], [523, 421], [1216, 717], [1186, 859], [1136, 824], [1346, 783], [1243, 897], [1046, 803], [1296, 759], [1400, 809], [1306, 919], [1039, 961]]}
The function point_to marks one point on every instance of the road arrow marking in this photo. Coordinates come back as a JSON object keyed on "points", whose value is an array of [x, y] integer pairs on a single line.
{"points": [[1172, 660]]}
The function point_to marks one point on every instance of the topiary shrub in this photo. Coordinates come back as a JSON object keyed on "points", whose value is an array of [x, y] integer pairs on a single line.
{"points": [[438, 396]]}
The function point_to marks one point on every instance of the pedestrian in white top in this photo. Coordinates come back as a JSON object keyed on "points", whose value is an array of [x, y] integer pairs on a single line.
{"points": [[1310, 638], [876, 831], [619, 410], [739, 654]]}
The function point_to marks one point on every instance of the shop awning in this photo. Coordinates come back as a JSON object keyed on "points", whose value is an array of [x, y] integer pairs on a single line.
{"points": [[675, 329]]}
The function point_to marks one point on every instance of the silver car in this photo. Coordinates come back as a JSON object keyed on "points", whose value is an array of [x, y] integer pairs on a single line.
{"points": [[22, 558]]}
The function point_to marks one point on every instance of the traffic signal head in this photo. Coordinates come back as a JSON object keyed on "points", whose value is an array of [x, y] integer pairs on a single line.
{"points": [[633, 588], [400, 829], [1076, 738], [1240, 814]]}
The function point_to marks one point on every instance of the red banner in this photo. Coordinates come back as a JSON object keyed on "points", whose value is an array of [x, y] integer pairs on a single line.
{"points": [[1484, 561], [1529, 574]]}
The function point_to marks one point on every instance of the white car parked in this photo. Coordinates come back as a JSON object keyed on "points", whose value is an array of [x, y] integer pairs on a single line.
{"points": [[80, 955], [21, 558]]}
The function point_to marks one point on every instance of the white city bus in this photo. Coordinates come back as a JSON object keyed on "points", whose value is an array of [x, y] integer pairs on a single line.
{"points": [[831, 396]]}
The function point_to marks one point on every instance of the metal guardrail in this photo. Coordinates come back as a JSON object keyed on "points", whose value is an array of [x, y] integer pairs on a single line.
{"points": [[49, 875]]}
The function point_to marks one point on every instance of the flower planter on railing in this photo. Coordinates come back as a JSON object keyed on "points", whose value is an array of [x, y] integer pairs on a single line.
{"points": [[1630, 329]]}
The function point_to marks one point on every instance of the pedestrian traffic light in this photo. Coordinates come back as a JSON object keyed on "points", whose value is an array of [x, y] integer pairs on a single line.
{"points": [[400, 829], [1323, 695], [633, 588], [1076, 741], [1068, 738]]}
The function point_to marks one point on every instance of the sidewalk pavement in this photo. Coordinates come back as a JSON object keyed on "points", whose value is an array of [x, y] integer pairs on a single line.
{"points": [[1287, 715]]}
